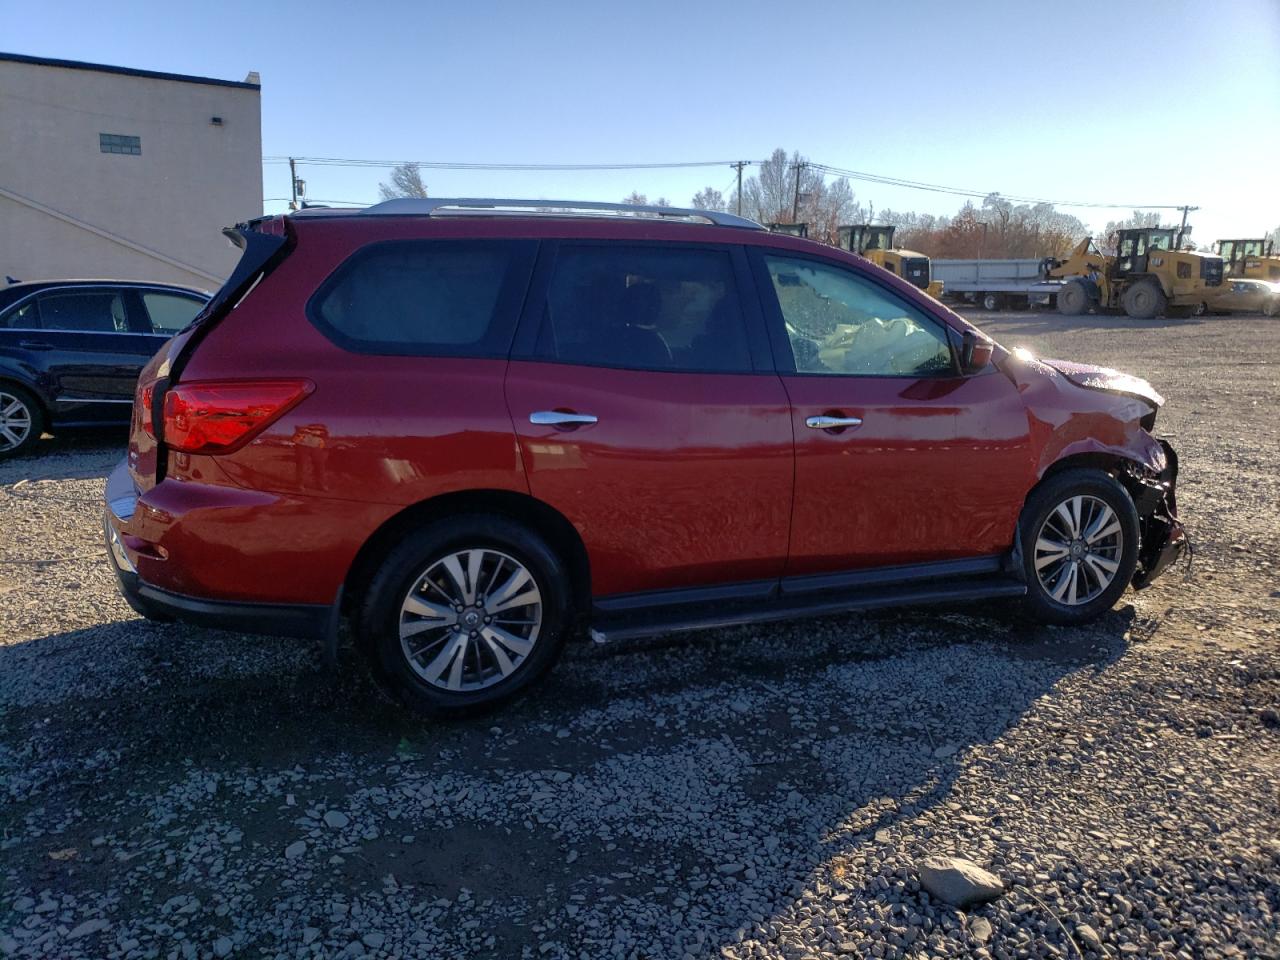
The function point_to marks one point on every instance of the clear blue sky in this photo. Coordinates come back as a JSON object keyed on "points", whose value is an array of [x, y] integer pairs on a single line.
{"points": [[1170, 102]]}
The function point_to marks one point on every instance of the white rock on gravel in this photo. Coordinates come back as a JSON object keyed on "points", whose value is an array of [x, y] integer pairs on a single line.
{"points": [[958, 882]]}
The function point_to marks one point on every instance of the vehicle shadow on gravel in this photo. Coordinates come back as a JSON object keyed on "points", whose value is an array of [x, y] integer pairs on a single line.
{"points": [[75, 455], [711, 775]]}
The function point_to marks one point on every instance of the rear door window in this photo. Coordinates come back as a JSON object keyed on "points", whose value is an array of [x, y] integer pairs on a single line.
{"points": [[90, 311], [429, 297], [170, 312], [645, 308]]}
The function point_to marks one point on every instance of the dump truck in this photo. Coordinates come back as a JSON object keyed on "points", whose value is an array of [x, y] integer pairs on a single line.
{"points": [[1249, 259], [875, 242]]}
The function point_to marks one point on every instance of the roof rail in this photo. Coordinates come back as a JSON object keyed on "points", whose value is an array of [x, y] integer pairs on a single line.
{"points": [[428, 206]]}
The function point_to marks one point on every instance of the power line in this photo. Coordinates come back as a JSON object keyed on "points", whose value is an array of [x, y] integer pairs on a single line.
{"points": [[960, 191], [737, 165], [448, 165]]}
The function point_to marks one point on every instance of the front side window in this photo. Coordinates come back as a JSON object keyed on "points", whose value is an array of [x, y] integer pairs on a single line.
{"points": [[840, 323], [169, 312], [429, 297], [648, 308], [90, 311]]}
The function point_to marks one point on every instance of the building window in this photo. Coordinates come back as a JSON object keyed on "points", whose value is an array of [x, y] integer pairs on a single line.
{"points": [[119, 143]]}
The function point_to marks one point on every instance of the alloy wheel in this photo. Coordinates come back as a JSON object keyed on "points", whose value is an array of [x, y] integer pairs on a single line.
{"points": [[15, 421], [470, 620], [1078, 550]]}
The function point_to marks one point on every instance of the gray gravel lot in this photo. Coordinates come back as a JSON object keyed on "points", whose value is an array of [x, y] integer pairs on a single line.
{"points": [[167, 791]]}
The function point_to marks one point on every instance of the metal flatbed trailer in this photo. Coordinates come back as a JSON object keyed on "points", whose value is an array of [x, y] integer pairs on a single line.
{"points": [[992, 284]]}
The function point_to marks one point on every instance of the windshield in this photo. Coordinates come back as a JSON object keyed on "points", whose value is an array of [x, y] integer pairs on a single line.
{"points": [[1161, 240], [879, 238], [1251, 248]]}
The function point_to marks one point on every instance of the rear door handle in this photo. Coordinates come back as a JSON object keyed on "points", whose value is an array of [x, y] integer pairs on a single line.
{"points": [[832, 423], [559, 418], [35, 344]]}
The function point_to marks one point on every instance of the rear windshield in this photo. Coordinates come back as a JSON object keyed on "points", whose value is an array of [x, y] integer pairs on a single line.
{"points": [[432, 297]]}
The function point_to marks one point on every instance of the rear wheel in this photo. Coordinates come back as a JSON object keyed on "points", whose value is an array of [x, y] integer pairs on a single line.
{"points": [[21, 420], [465, 613], [1079, 534], [1271, 307], [1144, 300], [1073, 299], [992, 302]]}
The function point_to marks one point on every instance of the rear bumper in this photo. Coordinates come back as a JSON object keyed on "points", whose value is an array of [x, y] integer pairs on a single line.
{"points": [[275, 619]]}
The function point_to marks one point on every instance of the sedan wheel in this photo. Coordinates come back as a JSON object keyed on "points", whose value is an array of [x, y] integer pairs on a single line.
{"points": [[470, 620], [21, 422], [1078, 550]]}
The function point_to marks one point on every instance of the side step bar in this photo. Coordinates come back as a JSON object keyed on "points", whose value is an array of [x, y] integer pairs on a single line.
{"points": [[611, 627]]}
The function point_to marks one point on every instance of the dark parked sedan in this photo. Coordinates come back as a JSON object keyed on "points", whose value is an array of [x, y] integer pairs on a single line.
{"points": [[71, 351]]}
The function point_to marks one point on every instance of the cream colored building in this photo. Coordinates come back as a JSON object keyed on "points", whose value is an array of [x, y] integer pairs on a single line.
{"points": [[121, 173]]}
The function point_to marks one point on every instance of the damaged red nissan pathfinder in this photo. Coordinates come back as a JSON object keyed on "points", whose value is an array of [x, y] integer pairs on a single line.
{"points": [[474, 428]]}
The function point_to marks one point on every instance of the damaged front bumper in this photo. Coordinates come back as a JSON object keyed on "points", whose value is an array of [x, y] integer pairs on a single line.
{"points": [[1163, 539]]}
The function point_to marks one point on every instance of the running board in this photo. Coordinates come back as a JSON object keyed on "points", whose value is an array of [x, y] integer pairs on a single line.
{"points": [[608, 628]]}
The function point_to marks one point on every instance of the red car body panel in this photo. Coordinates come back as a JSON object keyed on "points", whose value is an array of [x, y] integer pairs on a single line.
{"points": [[871, 495], [686, 480]]}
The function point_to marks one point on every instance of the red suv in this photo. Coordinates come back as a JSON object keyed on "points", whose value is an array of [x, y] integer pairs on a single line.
{"points": [[472, 427]]}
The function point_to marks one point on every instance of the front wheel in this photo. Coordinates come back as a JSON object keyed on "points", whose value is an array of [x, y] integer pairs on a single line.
{"points": [[1073, 299], [1144, 300], [465, 613], [1080, 544]]}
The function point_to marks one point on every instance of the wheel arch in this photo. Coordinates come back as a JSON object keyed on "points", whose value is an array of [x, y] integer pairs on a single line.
{"points": [[1124, 469], [541, 517]]}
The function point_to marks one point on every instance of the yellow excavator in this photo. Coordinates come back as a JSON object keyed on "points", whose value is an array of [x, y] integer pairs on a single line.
{"points": [[875, 242], [1249, 259], [1148, 275]]}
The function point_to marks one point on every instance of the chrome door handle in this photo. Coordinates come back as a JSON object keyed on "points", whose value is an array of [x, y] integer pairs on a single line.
{"points": [[830, 423], [558, 418]]}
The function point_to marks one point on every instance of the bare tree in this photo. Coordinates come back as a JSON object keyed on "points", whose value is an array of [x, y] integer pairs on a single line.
{"points": [[708, 198], [406, 181], [636, 199]]}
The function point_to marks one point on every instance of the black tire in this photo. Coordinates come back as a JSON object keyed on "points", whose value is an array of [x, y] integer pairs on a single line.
{"points": [[1073, 299], [1044, 500], [1201, 309], [1144, 300], [379, 616], [1271, 307], [24, 409], [992, 302]]}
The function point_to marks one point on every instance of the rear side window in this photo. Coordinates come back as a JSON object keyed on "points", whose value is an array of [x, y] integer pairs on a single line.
{"points": [[92, 311], [25, 316], [646, 308], [170, 313], [429, 297]]}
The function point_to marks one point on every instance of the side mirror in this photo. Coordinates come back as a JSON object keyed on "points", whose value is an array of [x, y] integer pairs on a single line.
{"points": [[975, 353]]}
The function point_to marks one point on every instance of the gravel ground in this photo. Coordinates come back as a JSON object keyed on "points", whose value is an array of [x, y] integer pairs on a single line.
{"points": [[167, 791]]}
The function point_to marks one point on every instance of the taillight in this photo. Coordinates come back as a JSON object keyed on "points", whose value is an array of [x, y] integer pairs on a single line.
{"points": [[216, 417], [143, 405]]}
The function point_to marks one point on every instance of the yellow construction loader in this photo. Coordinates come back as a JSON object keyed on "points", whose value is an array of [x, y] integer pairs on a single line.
{"points": [[1249, 259], [1148, 276], [875, 242]]}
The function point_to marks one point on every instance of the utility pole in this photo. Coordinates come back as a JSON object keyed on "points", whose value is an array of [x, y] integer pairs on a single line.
{"points": [[1183, 229], [795, 204], [738, 166], [293, 184]]}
